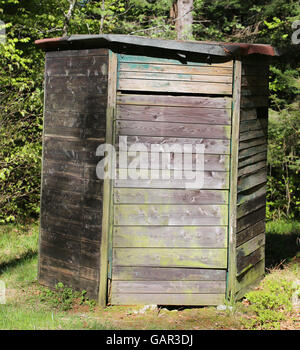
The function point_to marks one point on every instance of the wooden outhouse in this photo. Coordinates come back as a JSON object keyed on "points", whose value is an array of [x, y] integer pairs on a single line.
{"points": [[156, 239]]}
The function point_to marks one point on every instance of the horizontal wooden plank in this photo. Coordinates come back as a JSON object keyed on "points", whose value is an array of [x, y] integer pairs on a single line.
{"points": [[63, 182], [168, 299], [252, 180], [79, 252], [77, 85], [77, 65], [49, 237], [83, 231], [174, 86], [71, 150], [173, 237], [160, 60], [171, 215], [78, 244], [76, 119], [169, 196], [174, 114], [60, 226], [81, 271], [173, 161], [202, 180], [84, 133], [252, 143], [245, 263], [250, 125], [251, 276], [250, 195], [242, 292], [251, 245], [167, 287], [64, 210], [250, 232], [52, 167], [262, 156], [58, 265], [163, 144], [70, 256], [248, 114], [72, 53], [68, 102], [155, 69], [251, 205], [249, 135], [209, 77], [251, 219], [140, 128], [72, 198], [252, 168], [50, 278], [69, 204], [175, 101], [166, 257], [252, 151], [148, 273]]}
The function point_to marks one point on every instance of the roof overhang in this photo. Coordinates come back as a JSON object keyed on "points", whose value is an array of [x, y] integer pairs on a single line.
{"points": [[122, 42]]}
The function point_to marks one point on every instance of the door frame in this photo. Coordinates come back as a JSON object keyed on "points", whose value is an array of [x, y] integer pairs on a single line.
{"points": [[107, 205]]}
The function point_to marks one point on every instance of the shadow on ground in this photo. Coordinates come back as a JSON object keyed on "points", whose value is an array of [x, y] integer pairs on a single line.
{"points": [[17, 261], [281, 248]]}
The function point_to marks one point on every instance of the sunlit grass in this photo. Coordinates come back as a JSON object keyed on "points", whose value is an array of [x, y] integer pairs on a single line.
{"points": [[26, 310], [17, 241]]}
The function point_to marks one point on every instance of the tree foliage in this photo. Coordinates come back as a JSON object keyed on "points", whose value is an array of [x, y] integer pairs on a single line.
{"points": [[21, 79]]}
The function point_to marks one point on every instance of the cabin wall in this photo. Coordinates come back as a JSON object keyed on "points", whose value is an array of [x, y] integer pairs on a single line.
{"points": [[71, 199], [252, 175], [169, 243]]}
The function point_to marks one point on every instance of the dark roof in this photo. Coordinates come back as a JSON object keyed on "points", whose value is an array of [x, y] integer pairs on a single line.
{"points": [[125, 41]]}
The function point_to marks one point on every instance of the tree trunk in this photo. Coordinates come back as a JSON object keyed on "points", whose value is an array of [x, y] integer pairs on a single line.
{"points": [[184, 19], [68, 16]]}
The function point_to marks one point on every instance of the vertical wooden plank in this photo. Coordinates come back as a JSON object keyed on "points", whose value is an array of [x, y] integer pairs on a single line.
{"points": [[107, 186], [231, 280], [42, 179]]}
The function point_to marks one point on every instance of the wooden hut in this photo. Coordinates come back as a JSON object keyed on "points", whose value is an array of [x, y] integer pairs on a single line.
{"points": [[151, 240]]}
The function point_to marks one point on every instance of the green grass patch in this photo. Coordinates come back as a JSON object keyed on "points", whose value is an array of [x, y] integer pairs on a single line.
{"points": [[17, 242], [271, 302], [22, 274], [31, 306]]}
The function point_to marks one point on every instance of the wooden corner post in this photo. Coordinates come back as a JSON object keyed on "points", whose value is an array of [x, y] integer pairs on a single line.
{"points": [[107, 185], [236, 107]]}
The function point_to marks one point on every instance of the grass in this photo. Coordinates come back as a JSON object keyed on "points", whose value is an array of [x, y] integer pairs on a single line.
{"points": [[30, 306], [17, 242], [282, 242], [271, 301]]}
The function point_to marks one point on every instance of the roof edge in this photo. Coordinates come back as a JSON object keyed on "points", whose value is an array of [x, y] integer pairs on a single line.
{"points": [[221, 49]]}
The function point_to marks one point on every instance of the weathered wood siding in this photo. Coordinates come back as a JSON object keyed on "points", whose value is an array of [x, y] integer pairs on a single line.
{"points": [[169, 243], [141, 73], [71, 202], [252, 175]]}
